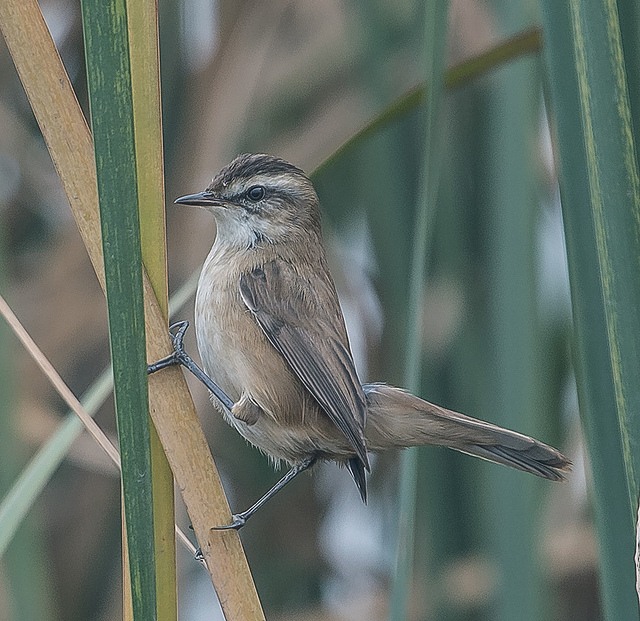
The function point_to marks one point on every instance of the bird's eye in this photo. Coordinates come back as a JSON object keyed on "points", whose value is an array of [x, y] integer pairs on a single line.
{"points": [[256, 193]]}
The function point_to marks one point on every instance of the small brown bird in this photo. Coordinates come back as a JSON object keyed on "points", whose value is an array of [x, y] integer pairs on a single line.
{"points": [[271, 335]]}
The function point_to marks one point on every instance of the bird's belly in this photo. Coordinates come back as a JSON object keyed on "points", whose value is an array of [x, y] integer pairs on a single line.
{"points": [[292, 443]]}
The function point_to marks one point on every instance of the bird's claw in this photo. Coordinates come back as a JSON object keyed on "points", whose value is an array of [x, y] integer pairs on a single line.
{"points": [[199, 556], [178, 337], [238, 520]]}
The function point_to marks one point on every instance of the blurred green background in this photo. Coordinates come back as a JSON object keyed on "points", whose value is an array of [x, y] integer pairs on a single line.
{"points": [[296, 79]]}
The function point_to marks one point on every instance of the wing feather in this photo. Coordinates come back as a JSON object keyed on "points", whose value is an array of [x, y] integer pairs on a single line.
{"points": [[312, 340]]}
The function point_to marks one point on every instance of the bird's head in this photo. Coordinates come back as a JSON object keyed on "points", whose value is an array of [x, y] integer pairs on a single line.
{"points": [[260, 198]]}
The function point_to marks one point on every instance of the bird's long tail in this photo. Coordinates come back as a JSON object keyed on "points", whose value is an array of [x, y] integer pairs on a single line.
{"points": [[396, 418]]}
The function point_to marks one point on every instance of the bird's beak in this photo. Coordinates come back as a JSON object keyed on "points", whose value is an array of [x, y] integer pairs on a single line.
{"points": [[202, 199]]}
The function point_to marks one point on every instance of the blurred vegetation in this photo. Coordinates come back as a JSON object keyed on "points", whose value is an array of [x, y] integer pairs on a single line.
{"points": [[297, 79]]}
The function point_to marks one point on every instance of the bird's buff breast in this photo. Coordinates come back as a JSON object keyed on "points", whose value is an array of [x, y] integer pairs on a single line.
{"points": [[224, 326]]}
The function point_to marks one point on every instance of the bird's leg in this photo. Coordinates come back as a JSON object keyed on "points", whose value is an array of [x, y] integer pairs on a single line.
{"points": [[240, 519], [180, 356]]}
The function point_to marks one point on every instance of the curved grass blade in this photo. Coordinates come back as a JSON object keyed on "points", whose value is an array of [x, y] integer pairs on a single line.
{"points": [[524, 43], [35, 476], [598, 173]]}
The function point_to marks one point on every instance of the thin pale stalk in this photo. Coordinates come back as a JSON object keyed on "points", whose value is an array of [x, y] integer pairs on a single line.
{"points": [[16, 503], [54, 377], [37, 473]]}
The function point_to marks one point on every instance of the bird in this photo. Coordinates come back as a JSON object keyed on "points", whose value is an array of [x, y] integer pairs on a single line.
{"points": [[274, 347]]}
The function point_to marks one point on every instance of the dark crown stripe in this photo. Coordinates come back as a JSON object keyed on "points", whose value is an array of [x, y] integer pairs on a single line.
{"points": [[248, 165]]}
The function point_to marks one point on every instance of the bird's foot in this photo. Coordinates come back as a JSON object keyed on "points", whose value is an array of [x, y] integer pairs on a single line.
{"points": [[179, 355], [238, 520]]}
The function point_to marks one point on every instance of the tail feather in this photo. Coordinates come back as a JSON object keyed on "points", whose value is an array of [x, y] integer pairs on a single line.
{"points": [[519, 460], [396, 418], [356, 468]]}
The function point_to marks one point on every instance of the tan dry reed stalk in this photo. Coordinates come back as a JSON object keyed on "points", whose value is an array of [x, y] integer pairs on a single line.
{"points": [[68, 139]]}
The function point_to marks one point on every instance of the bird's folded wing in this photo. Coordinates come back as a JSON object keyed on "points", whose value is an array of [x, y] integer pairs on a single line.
{"points": [[312, 340]]}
